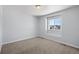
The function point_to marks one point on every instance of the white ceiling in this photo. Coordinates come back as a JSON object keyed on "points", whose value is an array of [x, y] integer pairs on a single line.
{"points": [[44, 9], [47, 9]]}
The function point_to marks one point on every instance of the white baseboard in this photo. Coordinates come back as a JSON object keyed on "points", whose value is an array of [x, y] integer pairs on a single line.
{"points": [[59, 41], [46, 37], [26, 38]]}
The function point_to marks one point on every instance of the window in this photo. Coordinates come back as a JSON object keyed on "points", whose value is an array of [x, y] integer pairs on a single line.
{"points": [[54, 23]]}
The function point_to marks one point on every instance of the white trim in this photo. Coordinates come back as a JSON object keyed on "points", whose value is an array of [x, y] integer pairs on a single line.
{"points": [[54, 23], [19, 40], [46, 37], [62, 42]]}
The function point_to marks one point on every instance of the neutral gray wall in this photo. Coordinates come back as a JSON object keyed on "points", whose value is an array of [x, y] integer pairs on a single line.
{"points": [[0, 27], [70, 28], [17, 25]]}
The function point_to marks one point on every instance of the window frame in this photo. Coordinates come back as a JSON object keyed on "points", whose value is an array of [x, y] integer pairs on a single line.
{"points": [[54, 23]]}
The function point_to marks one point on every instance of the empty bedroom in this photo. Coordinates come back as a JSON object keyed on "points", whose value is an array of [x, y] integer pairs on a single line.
{"points": [[39, 29]]}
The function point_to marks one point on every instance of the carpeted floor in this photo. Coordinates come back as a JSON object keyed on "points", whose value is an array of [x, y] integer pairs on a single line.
{"points": [[37, 46]]}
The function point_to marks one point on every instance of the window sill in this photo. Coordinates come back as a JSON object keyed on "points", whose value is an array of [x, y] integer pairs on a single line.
{"points": [[57, 33]]}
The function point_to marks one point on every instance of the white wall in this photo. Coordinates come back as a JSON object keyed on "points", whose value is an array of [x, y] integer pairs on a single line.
{"points": [[17, 25], [70, 32], [0, 27]]}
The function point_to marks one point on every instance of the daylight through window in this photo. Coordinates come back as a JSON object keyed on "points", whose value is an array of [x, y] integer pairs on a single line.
{"points": [[54, 23]]}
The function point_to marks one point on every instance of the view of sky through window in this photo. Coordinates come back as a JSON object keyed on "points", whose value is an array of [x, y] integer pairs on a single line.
{"points": [[55, 21]]}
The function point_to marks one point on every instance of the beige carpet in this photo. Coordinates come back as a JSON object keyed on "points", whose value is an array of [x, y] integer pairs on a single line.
{"points": [[38, 46]]}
